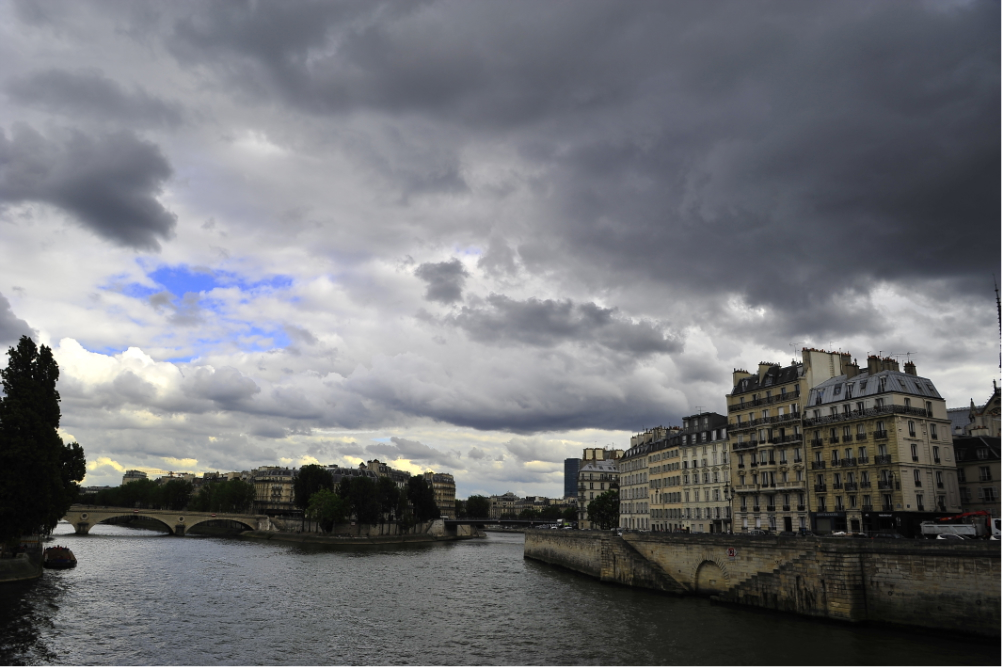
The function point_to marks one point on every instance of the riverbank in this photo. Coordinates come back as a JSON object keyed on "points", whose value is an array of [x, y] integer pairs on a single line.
{"points": [[928, 584], [342, 541], [21, 568]]}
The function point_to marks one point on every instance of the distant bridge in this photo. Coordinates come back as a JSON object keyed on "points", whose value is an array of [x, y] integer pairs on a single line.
{"points": [[85, 517], [526, 523]]}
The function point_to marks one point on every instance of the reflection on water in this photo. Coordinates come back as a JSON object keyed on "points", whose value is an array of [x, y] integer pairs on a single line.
{"points": [[139, 597]]}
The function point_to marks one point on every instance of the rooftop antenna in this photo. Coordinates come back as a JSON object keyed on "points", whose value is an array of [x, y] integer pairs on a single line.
{"points": [[998, 308]]}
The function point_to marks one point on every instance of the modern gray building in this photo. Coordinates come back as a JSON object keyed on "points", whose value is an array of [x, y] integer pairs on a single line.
{"points": [[571, 477]]}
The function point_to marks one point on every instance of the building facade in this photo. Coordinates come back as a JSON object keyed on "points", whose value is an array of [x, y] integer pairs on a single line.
{"points": [[881, 450], [274, 490], [634, 480], [703, 453], [596, 475], [769, 478], [443, 484], [665, 472], [978, 473], [133, 476]]}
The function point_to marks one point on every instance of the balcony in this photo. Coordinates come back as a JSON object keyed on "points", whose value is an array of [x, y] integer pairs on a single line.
{"points": [[786, 508], [918, 483], [887, 508], [848, 463], [801, 508], [863, 460], [837, 486], [864, 485], [770, 508], [936, 460], [879, 435], [817, 443], [914, 458], [817, 465], [741, 465], [754, 464], [921, 508], [867, 508], [820, 488], [871, 412], [851, 486], [755, 508], [833, 441], [887, 485], [798, 460], [939, 485], [860, 436], [751, 444], [882, 459]]}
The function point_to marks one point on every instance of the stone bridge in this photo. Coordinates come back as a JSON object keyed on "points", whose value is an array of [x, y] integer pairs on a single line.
{"points": [[85, 517]]}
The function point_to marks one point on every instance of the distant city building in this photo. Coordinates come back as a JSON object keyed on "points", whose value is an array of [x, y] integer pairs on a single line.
{"points": [[274, 490], [503, 506], [133, 476], [665, 473], [571, 477], [634, 496], [444, 486], [977, 420], [597, 474]]}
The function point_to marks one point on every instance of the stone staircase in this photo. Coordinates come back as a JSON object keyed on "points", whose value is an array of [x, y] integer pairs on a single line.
{"points": [[623, 564]]}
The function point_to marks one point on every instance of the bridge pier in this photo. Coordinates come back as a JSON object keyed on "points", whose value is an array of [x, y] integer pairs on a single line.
{"points": [[179, 530], [82, 528]]}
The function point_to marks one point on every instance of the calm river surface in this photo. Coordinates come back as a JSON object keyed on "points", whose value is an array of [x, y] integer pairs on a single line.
{"points": [[139, 597]]}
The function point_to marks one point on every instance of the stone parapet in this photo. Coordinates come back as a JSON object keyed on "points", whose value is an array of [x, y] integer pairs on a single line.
{"points": [[924, 583]]}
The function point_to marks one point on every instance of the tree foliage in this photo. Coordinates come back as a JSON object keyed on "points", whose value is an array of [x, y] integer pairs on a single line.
{"points": [[604, 510], [327, 508], [389, 497], [234, 496], [38, 473], [478, 507], [309, 480], [422, 498], [570, 514]]}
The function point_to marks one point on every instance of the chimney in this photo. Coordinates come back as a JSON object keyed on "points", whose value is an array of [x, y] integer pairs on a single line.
{"points": [[910, 368], [851, 369], [763, 368], [740, 374]]}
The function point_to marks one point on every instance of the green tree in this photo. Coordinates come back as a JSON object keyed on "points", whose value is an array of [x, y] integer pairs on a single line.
{"points": [[478, 507], [570, 514], [38, 473], [529, 513], [310, 479], [363, 500], [234, 496], [460, 509], [422, 498], [604, 510], [176, 494], [389, 497], [326, 508], [551, 513]]}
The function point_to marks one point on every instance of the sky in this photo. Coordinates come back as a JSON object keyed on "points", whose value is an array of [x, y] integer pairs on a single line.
{"points": [[478, 237]]}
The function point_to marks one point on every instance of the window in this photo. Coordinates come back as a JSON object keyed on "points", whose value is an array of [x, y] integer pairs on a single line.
{"points": [[859, 407], [838, 390], [933, 433], [939, 479], [914, 452], [838, 503], [908, 402], [862, 453], [960, 475], [920, 502], [917, 477], [988, 494], [935, 454], [821, 504], [878, 403], [984, 473], [911, 428]]}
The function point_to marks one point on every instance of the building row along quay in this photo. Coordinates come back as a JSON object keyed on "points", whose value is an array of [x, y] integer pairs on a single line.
{"points": [[823, 444]]}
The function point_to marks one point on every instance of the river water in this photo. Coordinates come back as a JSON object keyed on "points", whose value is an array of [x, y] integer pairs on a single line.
{"points": [[139, 597]]}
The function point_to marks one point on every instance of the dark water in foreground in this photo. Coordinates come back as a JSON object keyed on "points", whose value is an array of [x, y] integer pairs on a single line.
{"points": [[138, 597]]}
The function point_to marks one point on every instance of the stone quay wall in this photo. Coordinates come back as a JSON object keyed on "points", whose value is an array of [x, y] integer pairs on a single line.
{"points": [[925, 583]]}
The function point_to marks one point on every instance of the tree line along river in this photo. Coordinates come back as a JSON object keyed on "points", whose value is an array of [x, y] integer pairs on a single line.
{"points": [[139, 597]]}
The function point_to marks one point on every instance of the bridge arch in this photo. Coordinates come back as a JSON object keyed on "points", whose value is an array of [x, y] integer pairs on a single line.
{"points": [[711, 577], [95, 520], [189, 524]]}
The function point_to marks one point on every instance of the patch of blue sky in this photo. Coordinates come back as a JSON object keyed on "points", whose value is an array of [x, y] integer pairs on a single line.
{"points": [[182, 279], [257, 339]]}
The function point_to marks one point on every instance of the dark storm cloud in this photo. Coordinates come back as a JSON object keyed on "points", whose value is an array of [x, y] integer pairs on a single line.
{"points": [[91, 94], [108, 183], [445, 280], [11, 326], [412, 450], [790, 153], [547, 323]]}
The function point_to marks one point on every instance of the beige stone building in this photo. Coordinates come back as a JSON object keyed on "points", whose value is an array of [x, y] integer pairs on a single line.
{"points": [[665, 470], [979, 473], [769, 479], [133, 476], [881, 450], [703, 452], [274, 490], [597, 474], [634, 482], [444, 486], [503, 506]]}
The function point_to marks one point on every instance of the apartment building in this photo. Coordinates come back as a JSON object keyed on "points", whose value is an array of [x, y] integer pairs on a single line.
{"points": [[979, 473], [634, 482], [665, 471], [274, 490], [881, 450], [768, 471], [443, 484], [597, 474], [705, 470]]}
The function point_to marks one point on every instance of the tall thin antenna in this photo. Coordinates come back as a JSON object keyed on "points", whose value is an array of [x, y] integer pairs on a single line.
{"points": [[998, 307]]}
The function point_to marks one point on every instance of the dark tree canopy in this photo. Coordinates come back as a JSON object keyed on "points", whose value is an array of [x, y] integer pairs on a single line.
{"points": [[604, 510], [422, 498], [327, 508], [310, 479], [38, 473], [478, 507]]}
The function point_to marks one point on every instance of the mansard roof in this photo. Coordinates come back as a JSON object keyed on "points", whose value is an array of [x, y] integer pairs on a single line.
{"points": [[774, 376], [843, 388]]}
